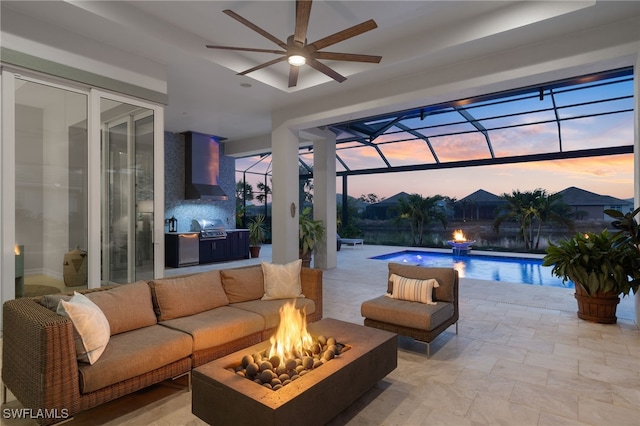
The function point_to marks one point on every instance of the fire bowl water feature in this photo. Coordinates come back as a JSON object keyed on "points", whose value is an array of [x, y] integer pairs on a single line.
{"points": [[223, 397], [460, 245]]}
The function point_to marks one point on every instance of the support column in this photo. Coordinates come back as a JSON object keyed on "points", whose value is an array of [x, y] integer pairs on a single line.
{"points": [[324, 198], [636, 158], [284, 217]]}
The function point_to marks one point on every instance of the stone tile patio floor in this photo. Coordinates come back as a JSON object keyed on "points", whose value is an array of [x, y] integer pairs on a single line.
{"points": [[521, 357]]}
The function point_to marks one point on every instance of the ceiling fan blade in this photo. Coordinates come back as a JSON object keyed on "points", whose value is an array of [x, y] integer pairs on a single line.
{"points": [[345, 34], [335, 56], [326, 70], [266, 64], [293, 75], [303, 11], [255, 28], [247, 49]]}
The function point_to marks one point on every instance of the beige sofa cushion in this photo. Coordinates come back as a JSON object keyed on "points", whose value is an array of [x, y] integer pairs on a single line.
{"points": [[183, 296], [126, 307], [270, 309], [131, 354], [444, 276], [243, 284], [217, 327], [408, 314]]}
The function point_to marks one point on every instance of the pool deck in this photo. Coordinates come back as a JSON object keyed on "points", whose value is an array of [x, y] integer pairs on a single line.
{"points": [[365, 277]]}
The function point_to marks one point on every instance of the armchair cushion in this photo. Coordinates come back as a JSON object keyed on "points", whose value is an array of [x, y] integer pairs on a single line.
{"points": [[407, 314], [445, 277]]}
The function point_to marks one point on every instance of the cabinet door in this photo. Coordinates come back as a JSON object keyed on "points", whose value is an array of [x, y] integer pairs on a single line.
{"points": [[220, 250], [171, 254], [206, 251], [243, 245]]}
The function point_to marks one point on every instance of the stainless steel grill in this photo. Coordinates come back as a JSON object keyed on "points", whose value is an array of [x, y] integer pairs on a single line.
{"points": [[209, 229]]}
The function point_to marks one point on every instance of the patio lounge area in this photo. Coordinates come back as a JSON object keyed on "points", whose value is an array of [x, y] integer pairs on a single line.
{"points": [[521, 357]]}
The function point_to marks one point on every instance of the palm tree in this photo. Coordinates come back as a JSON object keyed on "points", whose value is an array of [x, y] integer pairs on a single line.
{"points": [[265, 190], [551, 208], [244, 193], [520, 208], [532, 209], [420, 212]]}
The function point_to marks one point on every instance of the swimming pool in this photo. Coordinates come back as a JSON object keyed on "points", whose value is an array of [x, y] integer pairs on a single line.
{"points": [[496, 268]]}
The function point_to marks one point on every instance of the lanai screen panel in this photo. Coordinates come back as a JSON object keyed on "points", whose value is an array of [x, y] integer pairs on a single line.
{"points": [[465, 147], [407, 152], [360, 157]]}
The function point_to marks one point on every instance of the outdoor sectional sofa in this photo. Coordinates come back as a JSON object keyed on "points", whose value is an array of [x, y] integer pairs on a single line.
{"points": [[159, 329]]}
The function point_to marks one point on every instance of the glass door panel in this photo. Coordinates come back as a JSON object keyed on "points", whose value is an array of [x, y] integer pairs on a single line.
{"points": [[127, 194], [51, 189]]}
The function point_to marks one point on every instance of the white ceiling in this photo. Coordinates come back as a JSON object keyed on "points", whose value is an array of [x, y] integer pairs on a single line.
{"points": [[207, 96]]}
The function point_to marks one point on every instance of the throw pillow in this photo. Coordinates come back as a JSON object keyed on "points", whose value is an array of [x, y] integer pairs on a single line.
{"points": [[413, 290], [243, 284], [91, 328], [282, 281]]}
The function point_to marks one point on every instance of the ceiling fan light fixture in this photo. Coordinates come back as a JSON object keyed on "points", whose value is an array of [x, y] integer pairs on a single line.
{"points": [[296, 60]]}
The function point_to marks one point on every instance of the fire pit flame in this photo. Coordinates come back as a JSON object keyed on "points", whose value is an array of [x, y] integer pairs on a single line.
{"points": [[458, 236], [291, 338], [460, 244]]}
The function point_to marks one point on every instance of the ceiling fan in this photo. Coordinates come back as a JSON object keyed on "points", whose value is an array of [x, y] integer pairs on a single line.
{"points": [[298, 52]]}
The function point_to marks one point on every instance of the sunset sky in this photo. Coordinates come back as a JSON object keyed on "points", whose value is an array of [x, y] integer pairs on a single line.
{"points": [[590, 115], [611, 175]]}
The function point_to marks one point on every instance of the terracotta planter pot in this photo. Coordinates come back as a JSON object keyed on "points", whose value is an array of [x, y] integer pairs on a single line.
{"points": [[254, 251], [600, 307]]}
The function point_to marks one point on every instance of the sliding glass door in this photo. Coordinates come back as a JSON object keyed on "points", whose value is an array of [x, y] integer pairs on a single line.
{"points": [[51, 210], [127, 192], [79, 190]]}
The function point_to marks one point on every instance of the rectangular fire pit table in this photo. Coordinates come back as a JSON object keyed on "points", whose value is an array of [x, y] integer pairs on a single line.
{"points": [[221, 397]]}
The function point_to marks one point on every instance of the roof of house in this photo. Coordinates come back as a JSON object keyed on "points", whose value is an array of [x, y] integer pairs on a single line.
{"points": [[481, 197], [577, 196], [391, 200]]}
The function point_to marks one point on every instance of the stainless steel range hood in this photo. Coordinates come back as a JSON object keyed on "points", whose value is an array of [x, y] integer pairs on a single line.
{"points": [[202, 167]]}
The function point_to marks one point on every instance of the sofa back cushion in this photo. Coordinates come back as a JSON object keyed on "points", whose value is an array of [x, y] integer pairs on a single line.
{"points": [[243, 284], [127, 307], [446, 278], [189, 295]]}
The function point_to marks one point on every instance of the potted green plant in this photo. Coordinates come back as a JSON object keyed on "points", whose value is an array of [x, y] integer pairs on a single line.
{"points": [[601, 269], [257, 234], [627, 226], [310, 232]]}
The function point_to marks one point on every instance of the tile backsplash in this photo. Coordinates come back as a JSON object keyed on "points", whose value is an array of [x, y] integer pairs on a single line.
{"points": [[174, 175]]}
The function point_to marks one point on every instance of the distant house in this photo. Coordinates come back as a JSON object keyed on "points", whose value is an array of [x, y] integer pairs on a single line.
{"points": [[591, 206], [481, 205], [385, 209], [359, 205]]}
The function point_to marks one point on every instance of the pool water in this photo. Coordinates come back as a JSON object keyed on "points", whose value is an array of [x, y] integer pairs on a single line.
{"points": [[495, 268]]}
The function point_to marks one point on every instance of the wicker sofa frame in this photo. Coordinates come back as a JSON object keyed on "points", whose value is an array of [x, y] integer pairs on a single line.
{"points": [[39, 363]]}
